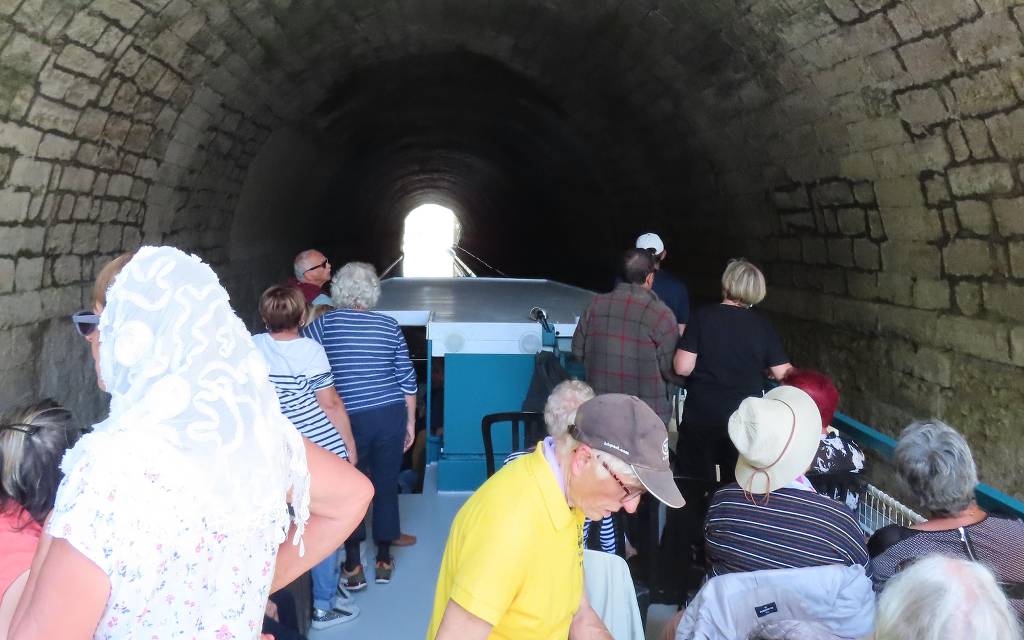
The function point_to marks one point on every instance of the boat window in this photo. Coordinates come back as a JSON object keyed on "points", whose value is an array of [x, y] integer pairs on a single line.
{"points": [[430, 232]]}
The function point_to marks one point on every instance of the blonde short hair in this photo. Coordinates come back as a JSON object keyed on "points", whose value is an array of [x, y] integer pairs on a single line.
{"points": [[560, 407], [316, 311], [743, 282], [355, 286], [282, 308]]}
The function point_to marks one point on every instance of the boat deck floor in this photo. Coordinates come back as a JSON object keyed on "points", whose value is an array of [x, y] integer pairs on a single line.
{"points": [[401, 610]]}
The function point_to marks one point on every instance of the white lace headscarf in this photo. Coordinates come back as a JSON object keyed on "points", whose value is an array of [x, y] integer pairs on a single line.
{"points": [[181, 367]]}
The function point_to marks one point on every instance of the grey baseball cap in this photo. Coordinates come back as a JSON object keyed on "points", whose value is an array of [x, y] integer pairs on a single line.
{"points": [[625, 427]]}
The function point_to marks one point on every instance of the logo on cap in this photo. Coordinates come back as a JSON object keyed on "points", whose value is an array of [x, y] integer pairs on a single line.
{"points": [[664, 449], [621, 450]]}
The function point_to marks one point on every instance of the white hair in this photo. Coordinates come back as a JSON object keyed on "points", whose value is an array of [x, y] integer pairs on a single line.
{"points": [[560, 407], [944, 598], [301, 263], [936, 463], [355, 286]]}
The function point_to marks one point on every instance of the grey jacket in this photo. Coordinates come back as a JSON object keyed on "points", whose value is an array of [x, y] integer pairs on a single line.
{"points": [[729, 607]]}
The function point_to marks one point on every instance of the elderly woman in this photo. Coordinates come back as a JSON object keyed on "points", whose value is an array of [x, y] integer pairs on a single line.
{"points": [[376, 381], [724, 353], [937, 466], [173, 515], [839, 458], [512, 567], [944, 598], [305, 389], [32, 441]]}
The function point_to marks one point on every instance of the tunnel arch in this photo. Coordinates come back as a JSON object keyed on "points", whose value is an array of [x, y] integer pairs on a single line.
{"points": [[866, 153]]}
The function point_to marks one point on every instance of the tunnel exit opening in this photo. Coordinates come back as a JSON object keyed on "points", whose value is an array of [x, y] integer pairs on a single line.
{"points": [[431, 232]]}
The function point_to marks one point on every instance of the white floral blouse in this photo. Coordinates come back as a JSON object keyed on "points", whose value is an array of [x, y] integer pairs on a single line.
{"points": [[172, 574]]}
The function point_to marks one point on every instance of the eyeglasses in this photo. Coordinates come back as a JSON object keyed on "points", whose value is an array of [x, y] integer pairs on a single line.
{"points": [[318, 266], [85, 322], [628, 494]]}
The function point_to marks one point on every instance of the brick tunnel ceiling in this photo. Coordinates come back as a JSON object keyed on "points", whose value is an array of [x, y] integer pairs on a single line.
{"points": [[865, 152]]}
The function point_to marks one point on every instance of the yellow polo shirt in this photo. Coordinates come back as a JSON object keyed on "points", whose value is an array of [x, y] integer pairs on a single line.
{"points": [[515, 555]]}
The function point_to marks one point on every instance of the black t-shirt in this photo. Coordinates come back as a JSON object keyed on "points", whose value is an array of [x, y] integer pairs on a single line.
{"points": [[734, 346]]}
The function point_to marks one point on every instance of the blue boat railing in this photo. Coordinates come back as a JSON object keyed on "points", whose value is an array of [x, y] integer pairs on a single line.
{"points": [[989, 498]]}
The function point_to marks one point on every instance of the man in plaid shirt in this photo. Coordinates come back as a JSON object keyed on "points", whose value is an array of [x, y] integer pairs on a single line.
{"points": [[627, 338]]}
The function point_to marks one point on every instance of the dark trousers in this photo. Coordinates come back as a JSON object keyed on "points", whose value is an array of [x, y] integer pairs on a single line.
{"points": [[380, 437], [286, 627]]}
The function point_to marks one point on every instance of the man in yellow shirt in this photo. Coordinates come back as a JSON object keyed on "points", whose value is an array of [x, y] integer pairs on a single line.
{"points": [[513, 566]]}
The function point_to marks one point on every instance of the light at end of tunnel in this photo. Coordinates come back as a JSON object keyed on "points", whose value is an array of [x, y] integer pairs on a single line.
{"points": [[430, 232]]}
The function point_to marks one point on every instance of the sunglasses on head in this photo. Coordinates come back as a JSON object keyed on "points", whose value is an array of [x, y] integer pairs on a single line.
{"points": [[85, 322], [317, 266]]}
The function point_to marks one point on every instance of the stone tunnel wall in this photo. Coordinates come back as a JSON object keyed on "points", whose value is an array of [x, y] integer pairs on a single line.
{"points": [[865, 151], [887, 195]]}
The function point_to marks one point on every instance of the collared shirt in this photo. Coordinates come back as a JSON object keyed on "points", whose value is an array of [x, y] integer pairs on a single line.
{"points": [[515, 555], [626, 340]]}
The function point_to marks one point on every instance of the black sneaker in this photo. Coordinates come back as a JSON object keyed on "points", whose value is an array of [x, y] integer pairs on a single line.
{"points": [[384, 570]]}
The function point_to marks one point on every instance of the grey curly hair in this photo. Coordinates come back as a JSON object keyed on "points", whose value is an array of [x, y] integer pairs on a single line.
{"points": [[936, 463], [560, 407], [355, 286]]}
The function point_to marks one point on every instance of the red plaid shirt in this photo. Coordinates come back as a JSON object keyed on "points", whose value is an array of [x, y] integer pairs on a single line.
{"points": [[626, 340]]}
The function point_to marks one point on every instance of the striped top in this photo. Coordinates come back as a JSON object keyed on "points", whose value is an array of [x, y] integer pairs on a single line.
{"points": [[797, 528], [368, 356], [298, 369]]}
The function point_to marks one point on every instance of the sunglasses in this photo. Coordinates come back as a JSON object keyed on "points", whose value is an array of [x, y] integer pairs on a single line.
{"points": [[317, 266], [85, 322], [628, 494]]}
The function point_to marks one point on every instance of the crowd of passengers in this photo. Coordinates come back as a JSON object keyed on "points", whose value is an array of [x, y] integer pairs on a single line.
{"points": [[230, 464]]}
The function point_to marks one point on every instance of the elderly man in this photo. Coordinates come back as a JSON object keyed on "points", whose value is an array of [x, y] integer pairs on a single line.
{"points": [[626, 338], [513, 566], [669, 288], [312, 272]]}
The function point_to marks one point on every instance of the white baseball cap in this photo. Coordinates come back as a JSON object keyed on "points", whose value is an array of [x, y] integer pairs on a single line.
{"points": [[650, 241]]}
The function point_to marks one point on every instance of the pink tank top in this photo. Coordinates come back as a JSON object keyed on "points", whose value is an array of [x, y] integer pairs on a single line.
{"points": [[18, 542]]}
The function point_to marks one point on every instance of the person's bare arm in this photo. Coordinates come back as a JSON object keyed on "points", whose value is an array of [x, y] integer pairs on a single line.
{"points": [[586, 624], [683, 362], [682, 328], [61, 580], [339, 495], [459, 624], [410, 421], [332, 405]]}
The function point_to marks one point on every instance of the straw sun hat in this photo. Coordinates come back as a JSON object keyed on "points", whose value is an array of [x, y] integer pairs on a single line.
{"points": [[777, 438]]}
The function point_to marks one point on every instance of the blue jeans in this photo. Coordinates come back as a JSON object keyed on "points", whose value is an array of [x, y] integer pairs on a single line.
{"points": [[380, 437], [325, 581]]}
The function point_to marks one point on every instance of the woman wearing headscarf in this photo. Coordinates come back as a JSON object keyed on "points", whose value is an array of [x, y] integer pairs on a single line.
{"points": [[191, 502]]}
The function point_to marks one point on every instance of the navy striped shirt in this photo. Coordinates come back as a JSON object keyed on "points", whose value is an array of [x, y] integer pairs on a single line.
{"points": [[795, 529], [368, 356], [298, 369]]}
